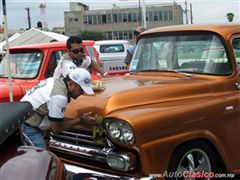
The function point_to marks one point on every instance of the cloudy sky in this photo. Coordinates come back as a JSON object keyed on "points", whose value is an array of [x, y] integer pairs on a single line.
{"points": [[204, 11]]}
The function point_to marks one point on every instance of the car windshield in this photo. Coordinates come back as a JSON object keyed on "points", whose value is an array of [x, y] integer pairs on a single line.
{"points": [[194, 54], [22, 65]]}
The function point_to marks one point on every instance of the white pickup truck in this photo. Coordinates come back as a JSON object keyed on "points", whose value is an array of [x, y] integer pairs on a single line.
{"points": [[112, 54]]}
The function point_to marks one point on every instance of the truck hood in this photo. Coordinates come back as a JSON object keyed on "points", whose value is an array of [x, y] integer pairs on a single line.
{"points": [[136, 90], [18, 86], [4, 88]]}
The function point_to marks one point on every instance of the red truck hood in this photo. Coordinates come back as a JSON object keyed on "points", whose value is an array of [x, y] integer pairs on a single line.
{"points": [[18, 86], [136, 90]]}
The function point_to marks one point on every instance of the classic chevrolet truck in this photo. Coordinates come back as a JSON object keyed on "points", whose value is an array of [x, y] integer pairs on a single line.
{"points": [[29, 64], [175, 114]]}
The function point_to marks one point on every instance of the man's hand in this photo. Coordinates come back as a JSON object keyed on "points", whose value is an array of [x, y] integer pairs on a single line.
{"points": [[106, 75], [88, 118]]}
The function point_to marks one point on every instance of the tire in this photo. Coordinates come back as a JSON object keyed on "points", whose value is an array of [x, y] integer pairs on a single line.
{"points": [[193, 156]]}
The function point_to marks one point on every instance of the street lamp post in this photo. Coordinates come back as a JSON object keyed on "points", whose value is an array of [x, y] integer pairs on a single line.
{"points": [[139, 13], [29, 19], [7, 50]]}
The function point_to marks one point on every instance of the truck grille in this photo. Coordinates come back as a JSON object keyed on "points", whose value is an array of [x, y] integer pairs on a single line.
{"points": [[75, 138], [78, 143]]}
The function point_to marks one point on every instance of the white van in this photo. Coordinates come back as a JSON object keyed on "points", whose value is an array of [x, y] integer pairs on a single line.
{"points": [[112, 54]]}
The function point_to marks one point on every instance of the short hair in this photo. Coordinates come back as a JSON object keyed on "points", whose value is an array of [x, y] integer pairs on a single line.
{"points": [[73, 39], [139, 30]]}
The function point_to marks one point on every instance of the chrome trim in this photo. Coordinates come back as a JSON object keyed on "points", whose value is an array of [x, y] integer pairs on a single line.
{"points": [[128, 159], [94, 153], [76, 170], [97, 154]]}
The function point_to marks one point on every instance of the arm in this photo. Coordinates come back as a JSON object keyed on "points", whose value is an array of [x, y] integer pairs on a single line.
{"points": [[128, 59], [67, 124], [98, 69]]}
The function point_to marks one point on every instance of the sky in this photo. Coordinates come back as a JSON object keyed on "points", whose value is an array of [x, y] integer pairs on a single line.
{"points": [[204, 11]]}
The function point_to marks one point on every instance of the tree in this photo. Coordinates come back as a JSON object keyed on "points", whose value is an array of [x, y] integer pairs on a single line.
{"points": [[230, 16], [91, 35]]}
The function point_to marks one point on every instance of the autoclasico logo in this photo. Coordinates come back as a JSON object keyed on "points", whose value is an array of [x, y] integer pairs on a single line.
{"points": [[191, 174], [202, 174]]}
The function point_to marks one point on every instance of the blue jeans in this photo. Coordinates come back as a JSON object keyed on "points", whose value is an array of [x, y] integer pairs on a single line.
{"points": [[33, 136]]}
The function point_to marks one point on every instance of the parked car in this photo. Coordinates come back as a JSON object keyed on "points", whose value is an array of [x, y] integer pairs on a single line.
{"points": [[30, 64], [112, 54], [176, 111], [23, 162]]}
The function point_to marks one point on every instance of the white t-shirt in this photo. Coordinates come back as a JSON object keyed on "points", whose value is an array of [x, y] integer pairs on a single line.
{"points": [[66, 65], [49, 99]]}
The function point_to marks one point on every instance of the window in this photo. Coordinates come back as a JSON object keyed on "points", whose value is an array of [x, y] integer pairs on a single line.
{"points": [[115, 35], [109, 18], [114, 18], [85, 19], [112, 48], [236, 49], [125, 17], [196, 54], [155, 16], [99, 18], [165, 15], [70, 19], [134, 17], [147, 16], [104, 19], [75, 19], [109, 35], [130, 34], [160, 14], [120, 33], [120, 19], [125, 35], [94, 19], [129, 17], [90, 19], [150, 16], [22, 64], [170, 15]]}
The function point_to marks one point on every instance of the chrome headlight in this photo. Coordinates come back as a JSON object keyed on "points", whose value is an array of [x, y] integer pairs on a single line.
{"points": [[120, 131]]}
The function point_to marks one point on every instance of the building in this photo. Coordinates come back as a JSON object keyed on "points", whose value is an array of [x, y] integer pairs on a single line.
{"points": [[119, 23]]}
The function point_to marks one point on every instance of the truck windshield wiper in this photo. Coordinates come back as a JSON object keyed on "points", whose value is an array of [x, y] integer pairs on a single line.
{"points": [[175, 71], [149, 70]]}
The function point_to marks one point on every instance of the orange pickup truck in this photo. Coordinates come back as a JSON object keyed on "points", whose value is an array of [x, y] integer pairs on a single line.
{"points": [[30, 64], [175, 115]]}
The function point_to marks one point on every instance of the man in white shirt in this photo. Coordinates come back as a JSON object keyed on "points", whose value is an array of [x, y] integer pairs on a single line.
{"points": [[76, 57], [49, 99]]}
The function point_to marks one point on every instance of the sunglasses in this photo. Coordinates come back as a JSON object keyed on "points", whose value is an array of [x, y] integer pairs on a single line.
{"points": [[77, 51]]}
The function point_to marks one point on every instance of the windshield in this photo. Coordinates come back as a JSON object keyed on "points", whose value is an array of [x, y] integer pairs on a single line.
{"points": [[203, 54], [22, 65]]}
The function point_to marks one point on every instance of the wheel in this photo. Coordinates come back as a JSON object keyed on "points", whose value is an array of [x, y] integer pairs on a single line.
{"points": [[192, 161]]}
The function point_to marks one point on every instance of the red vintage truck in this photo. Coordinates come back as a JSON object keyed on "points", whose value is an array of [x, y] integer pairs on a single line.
{"points": [[30, 64]]}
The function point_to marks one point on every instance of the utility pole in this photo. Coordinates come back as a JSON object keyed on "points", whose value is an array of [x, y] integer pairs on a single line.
{"points": [[7, 53], [144, 14], [186, 12], [139, 13], [191, 15], [29, 19]]}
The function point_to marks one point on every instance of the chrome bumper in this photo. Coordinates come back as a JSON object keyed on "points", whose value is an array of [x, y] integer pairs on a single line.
{"points": [[86, 173]]}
